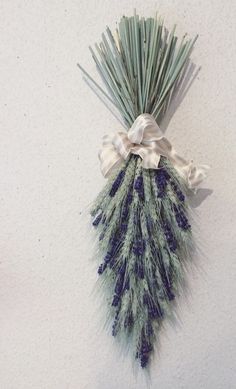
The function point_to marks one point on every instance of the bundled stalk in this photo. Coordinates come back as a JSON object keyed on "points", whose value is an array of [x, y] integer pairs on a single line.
{"points": [[141, 216]]}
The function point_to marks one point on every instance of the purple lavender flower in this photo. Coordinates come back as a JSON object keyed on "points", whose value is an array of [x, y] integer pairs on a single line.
{"points": [[127, 284], [112, 262], [138, 186], [101, 268], [114, 328], [167, 283], [115, 242], [97, 220], [116, 184], [119, 285], [125, 212], [101, 236], [144, 349], [139, 247], [108, 257], [123, 227], [129, 198], [113, 249], [139, 269], [122, 268], [161, 178], [128, 320], [115, 324], [103, 265], [154, 309], [149, 329], [127, 202], [178, 191], [150, 225], [115, 301], [181, 219], [144, 360], [172, 243], [170, 295]]}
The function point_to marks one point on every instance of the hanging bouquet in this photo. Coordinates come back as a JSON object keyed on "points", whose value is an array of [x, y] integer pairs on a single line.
{"points": [[141, 216]]}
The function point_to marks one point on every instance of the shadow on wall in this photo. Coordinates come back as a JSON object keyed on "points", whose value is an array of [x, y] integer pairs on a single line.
{"points": [[197, 198], [188, 76]]}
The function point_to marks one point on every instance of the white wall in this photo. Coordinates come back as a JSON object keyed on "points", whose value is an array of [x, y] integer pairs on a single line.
{"points": [[51, 129]]}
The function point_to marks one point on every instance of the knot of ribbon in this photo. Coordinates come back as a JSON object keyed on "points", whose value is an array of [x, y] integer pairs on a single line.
{"points": [[145, 138]]}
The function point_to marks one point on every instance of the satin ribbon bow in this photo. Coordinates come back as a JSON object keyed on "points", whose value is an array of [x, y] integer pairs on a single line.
{"points": [[146, 139]]}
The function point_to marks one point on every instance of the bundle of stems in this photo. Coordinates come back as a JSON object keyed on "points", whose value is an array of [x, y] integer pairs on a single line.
{"points": [[139, 65]]}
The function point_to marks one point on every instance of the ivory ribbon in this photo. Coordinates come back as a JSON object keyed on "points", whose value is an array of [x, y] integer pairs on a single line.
{"points": [[146, 139]]}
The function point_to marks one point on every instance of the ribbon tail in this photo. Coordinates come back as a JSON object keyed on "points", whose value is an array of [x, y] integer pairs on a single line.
{"points": [[109, 160], [196, 175], [115, 149]]}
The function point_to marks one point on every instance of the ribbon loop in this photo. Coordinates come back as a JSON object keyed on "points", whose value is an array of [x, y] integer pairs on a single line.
{"points": [[146, 139]]}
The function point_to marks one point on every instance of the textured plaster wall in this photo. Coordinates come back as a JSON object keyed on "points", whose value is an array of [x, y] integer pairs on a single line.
{"points": [[51, 129]]}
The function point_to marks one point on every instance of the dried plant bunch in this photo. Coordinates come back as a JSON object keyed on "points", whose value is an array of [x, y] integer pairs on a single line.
{"points": [[141, 217]]}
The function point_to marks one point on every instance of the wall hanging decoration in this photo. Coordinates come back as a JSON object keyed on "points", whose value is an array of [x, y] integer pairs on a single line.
{"points": [[141, 216]]}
